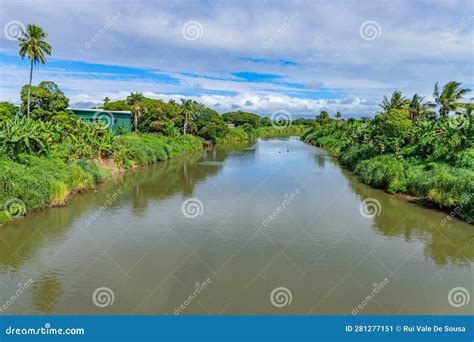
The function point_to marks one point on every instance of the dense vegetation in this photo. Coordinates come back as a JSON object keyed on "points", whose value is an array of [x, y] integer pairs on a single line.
{"points": [[47, 153], [409, 148]]}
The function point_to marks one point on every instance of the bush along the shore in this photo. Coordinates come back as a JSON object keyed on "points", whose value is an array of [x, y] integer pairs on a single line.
{"points": [[409, 149], [43, 176]]}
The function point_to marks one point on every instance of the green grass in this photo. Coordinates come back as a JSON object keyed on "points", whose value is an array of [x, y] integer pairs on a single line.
{"points": [[39, 182], [384, 171]]}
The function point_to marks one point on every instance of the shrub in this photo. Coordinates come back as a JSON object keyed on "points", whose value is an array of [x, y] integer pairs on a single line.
{"points": [[381, 171], [465, 159], [355, 154]]}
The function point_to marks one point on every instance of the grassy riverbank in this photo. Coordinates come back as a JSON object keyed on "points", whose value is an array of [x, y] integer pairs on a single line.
{"points": [[430, 159], [31, 182]]}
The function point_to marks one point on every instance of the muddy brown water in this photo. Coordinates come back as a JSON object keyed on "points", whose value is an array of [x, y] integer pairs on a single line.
{"points": [[268, 227]]}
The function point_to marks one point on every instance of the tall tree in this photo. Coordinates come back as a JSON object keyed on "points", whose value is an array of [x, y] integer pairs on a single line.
{"points": [[338, 116], [135, 100], [449, 97], [323, 118], [396, 101], [32, 45], [187, 109], [418, 109]]}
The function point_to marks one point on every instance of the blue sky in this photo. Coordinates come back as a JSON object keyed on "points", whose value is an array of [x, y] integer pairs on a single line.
{"points": [[260, 56]]}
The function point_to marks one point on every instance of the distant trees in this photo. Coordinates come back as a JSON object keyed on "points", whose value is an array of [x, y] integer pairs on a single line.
{"points": [[265, 121], [35, 48], [209, 125], [303, 121], [240, 118], [323, 118]]}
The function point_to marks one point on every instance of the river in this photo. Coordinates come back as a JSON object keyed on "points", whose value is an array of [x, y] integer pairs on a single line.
{"points": [[268, 227]]}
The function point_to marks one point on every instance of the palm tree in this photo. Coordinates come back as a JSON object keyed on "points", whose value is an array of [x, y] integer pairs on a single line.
{"points": [[187, 109], [396, 101], [33, 45], [135, 100], [338, 116], [417, 108], [449, 97]]}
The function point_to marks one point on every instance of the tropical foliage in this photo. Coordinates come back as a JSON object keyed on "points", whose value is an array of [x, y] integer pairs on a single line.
{"points": [[240, 118], [408, 148], [51, 153], [33, 46]]}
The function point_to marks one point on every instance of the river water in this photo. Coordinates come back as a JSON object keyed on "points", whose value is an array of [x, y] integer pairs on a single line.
{"points": [[269, 227]]}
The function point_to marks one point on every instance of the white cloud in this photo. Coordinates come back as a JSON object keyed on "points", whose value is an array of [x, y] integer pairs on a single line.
{"points": [[323, 39]]}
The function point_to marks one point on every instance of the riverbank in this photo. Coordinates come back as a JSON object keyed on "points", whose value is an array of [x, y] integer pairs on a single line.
{"points": [[131, 216], [444, 184], [32, 183]]}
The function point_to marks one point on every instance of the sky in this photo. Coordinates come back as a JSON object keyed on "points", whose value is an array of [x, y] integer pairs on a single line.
{"points": [[260, 56]]}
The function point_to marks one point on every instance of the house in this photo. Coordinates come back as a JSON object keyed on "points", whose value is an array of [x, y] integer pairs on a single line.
{"points": [[111, 118], [230, 125]]}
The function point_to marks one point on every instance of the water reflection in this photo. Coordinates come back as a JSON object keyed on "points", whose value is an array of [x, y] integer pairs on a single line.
{"points": [[46, 292], [452, 243], [240, 186]]}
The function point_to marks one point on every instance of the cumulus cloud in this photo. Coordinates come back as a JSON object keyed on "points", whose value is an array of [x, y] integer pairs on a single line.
{"points": [[316, 50]]}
